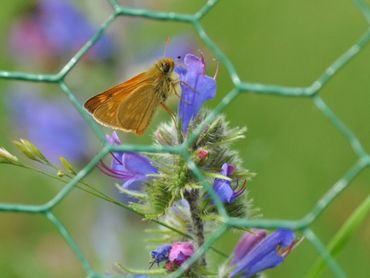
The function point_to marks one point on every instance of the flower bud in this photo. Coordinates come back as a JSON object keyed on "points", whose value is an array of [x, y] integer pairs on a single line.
{"points": [[203, 154], [30, 150], [161, 253], [7, 157], [180, 252]]}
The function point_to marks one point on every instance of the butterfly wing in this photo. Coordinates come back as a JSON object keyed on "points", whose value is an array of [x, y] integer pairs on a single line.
{"points": [[136, 112], [104, 107]]}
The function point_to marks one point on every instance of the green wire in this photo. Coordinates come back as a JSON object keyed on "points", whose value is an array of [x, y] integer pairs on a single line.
{"points": [[240, 87]]}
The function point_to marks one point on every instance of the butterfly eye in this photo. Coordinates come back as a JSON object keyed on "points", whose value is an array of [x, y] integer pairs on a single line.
{"points": [[166, 68]]}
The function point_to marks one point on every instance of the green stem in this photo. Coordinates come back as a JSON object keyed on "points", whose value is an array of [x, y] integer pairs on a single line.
{"points": [[136, 271], [198, 227], [97, 193]]}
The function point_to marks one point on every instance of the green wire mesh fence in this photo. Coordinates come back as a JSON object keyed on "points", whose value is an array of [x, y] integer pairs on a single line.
{"points": [[240, 87]]}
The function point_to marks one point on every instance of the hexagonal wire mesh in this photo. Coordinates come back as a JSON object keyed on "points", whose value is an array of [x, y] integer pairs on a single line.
{"points": [[312, 92]]}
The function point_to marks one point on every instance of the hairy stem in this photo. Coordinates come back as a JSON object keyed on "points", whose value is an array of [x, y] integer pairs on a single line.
{"points": [[198, 227]]}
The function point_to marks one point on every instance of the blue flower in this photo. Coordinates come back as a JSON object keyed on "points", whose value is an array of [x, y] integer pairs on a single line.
{"points": [[256, 252], [161, 253], [53, 125], [223, 187], [196, 87], [67, 29], [130, 167]]}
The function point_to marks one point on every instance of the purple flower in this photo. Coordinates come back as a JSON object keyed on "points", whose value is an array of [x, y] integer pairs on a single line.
{"points": [[52, 124], [67, 29], [28, 42], [130, 167], [114, 139], [256, 252], [223, 188], [55, 28], [180, 252], [196, 87], [161, 253]]}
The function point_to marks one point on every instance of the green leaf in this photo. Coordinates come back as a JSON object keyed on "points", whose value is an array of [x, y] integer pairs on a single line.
{"points": [[217, 176], [342, 236], [135, 194]]}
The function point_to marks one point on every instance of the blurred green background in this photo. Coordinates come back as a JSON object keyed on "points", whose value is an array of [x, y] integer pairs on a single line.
{"points": [[295, 151]]}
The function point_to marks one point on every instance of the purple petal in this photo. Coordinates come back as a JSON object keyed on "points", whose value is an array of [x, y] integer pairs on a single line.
{"points": [[113, 139], [161, 253], [271, 260], [138, 164], [247, 243], [117, 161], [265, 255], [196, 89], [180, 70], [194, 63], [134, 182], [227, 169], [223, 190], [223, 187], [116, 156]]}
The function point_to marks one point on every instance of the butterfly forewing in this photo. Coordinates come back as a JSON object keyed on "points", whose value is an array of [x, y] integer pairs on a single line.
{"points": [[130, 105], [105, 106], [137, 110], [122, 89]]}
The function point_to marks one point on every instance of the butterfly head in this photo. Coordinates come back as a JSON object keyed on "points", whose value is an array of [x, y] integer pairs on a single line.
{"points": [[166, 65]]}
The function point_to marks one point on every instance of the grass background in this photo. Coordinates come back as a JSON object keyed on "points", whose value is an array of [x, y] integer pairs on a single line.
{"points": [[297, 153]]}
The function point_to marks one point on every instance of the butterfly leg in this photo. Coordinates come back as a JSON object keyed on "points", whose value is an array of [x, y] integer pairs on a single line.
{"points": [[189, 86], [184, 83], [169, 111], [174, 88]]}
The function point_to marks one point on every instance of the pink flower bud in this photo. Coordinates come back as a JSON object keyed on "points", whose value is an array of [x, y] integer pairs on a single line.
{"points": [[203, 154], [180, 252]]}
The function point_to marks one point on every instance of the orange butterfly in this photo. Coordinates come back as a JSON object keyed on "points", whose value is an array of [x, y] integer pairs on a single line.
{"points": [[130, 106]]}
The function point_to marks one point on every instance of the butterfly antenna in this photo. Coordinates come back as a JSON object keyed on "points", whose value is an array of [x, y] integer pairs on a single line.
{"points": [[166, 46]]}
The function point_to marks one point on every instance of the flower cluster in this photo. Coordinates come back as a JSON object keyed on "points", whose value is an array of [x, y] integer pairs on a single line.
{"points": [[169, 191], [174, 255]]}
